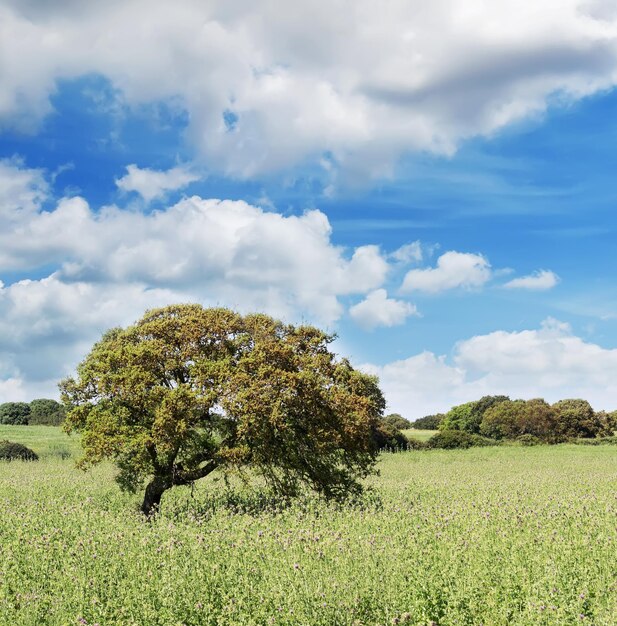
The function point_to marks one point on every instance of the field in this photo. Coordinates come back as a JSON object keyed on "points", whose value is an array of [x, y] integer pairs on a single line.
{"points": [[491, 536], [422, 435]]}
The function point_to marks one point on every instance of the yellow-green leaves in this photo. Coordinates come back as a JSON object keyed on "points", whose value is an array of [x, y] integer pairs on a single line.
{"points": [[188, 389]]}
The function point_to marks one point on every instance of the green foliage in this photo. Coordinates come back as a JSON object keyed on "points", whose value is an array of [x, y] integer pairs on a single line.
{"points": [[11, 451], [576, 418], [15, 413], [388, 437], [513, 418], [451, 439], [468, 417], [528, 440], [188, 390], [428, 422], [397, 421], [46, 412], [460, 417]]}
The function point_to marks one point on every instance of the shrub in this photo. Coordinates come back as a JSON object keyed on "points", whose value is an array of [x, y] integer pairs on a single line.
{"points": [[459, 417], [46, 412], [469, 416], [386, 437], [428, 422], [576, 418], [11, 451], [450, 439], [513, 418], [529, 440], [397, 421], [607, 422], [597, 441], [15, 413]]}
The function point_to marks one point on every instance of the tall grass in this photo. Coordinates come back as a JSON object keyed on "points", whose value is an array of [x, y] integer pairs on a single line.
{"points": [[493, 536]]}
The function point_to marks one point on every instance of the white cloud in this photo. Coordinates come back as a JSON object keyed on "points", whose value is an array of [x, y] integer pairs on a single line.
{"points": [[111, 265], [550, 362], [151, 184], [454, 269], [227, 249], [543, 279], [409, 253], [304, 78], [22, 192], [379, 310]]}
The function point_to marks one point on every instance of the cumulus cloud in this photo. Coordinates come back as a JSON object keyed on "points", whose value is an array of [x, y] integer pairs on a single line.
{"points": [[454, 269], [22, 192], [550, 362], [112, 264], [538, 281], [379, 310], [151, 184], [241, 253], [303, 79]]}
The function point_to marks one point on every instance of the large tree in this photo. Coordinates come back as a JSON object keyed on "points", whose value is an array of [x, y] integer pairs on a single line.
{"points": [[187, 390]]}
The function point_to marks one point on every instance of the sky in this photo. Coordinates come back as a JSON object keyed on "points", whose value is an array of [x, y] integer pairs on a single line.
{"points": [[433, 182]]}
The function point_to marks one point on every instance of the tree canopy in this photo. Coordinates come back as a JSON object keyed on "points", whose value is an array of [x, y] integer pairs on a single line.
{"points": [[15, 413], [187, 390], [46, 412]]}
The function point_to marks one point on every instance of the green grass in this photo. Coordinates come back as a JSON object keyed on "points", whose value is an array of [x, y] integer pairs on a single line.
{"points": [[422, 435], [46, 441], [495, 536]]}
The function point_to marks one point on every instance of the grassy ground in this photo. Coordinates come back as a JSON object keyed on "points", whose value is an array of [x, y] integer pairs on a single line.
{"points": [[492, 536], [422, 435], [46, 441]]}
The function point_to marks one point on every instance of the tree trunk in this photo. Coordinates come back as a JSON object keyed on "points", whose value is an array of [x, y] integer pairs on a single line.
{"points": [[153, 495]]}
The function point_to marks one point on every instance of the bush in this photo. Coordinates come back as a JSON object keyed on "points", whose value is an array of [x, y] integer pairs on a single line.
{"points": [[397, 421], [576, 418], [11, 451], [450, 439], [428, 422], [386, 437], [46, 412], [529, 440], [597, 441], [512, 419], [469, 416], [15, 413]]}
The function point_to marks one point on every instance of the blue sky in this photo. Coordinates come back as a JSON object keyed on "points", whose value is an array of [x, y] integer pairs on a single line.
{"points": [[450, 216]]}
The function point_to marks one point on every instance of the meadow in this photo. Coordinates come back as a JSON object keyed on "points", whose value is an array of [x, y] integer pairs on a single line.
{"points": [[492, 536]]}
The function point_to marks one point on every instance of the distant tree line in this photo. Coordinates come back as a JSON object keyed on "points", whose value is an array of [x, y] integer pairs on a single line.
{"points": [[495, 419], [499, 418], [38, 412]]}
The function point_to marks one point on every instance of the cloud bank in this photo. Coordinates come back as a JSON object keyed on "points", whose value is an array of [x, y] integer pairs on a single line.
{"points": [[268, 84], [549, 362]]}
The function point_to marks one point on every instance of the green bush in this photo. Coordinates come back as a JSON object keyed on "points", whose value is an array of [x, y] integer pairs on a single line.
{"points": [[11, 451], [512, 419], [596, 441], [428, 422], [15, 413], [528, 440], [397, 421], [386, 437], [469, 416], [450, 439], [46, 412], [576, 418]]}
